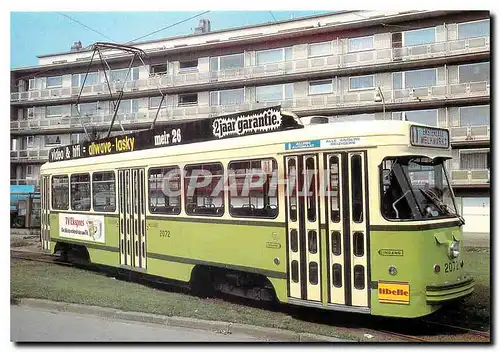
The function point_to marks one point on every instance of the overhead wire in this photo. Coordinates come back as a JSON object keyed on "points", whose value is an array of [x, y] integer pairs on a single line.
{"points": [[84, 25], [167, 27], [274, 18]]}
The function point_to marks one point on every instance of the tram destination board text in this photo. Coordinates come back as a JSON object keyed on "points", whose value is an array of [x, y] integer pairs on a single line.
{"points": [[236, 125]]}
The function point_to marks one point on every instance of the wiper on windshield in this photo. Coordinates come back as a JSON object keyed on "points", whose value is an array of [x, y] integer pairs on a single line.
{"points": [[438, 203]]}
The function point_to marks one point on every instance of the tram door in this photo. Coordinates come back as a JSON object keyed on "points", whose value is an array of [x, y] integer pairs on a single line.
{"points": [[346, 209], [132, 209], [326, 195], [45, 211], [304, 264]]}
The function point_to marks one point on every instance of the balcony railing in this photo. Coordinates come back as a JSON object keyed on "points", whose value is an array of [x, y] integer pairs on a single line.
{"points": [[470, 133], [31, 155], [306, 65], [297, 104], [23, 182], [470, 177]]}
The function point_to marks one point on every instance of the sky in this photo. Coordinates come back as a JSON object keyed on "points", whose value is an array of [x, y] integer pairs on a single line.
{"points": [[39, 33]]}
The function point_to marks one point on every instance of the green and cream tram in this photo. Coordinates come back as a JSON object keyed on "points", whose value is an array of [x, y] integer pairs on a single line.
{"points": [[347, 216]]}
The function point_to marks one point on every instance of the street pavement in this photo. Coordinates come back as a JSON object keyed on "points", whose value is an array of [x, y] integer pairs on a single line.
{"points": [[38, 325]]}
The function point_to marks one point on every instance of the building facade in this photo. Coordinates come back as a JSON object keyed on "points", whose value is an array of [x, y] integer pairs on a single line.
{"points": [[425, 66]]}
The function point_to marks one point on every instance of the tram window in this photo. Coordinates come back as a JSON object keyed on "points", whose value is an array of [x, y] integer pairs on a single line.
{"points": [[311, 189], [359, 245], [336, 243], [165, 190], [359, 277], [313, 242], [104, 191], [357, 188], [60, 192], [295, 271], [253, 190], [334, 189], [313, 273], [204, 189], [415, 188], [337, 275], [294, 240], [80, 192], [292, 189]]}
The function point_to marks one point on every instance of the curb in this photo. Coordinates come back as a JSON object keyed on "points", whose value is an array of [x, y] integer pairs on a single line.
{"points": [[182, 322]]}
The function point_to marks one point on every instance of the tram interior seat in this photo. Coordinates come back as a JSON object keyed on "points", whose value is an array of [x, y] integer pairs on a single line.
{"points": [[173, 209]]}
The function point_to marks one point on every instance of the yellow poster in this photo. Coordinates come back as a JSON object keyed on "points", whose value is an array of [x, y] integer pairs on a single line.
{"points": [[394, 292]]}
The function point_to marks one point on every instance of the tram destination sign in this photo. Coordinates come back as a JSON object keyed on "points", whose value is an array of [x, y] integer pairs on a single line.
{"points": [[236, 125], [421, 136]]}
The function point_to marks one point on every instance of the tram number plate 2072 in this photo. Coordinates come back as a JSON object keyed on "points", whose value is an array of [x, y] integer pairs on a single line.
{"points": [[451, 267]]}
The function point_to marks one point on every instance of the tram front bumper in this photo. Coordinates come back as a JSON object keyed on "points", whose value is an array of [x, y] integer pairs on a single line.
{"points": [[441, 293]]}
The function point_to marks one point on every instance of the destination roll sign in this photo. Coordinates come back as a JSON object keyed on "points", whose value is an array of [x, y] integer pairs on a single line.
{"points": [[236, 125]]}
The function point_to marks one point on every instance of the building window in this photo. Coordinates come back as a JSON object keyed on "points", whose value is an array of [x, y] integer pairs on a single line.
{"points": [[360, 44], [53, 139], [474, 115], [86, 109], [188, 99], [474, 29], [80, 192], [29, 170], [474, 159], [30, 141], [74, 138], [414, 79], [54, 111], [321, 87], [320, 49], [204, 189], [274, 55], [479, 72], [30, 113], [54, 82], [188, 65], [426, 117], [103, 191], [227, 62], [129, 106], [60, 192], [276, 92], [154, 102], [253, 188], [419, 36], [119, 76], [165, 190], [227, 97], [158, 69], [361, 82], [77, 79]]}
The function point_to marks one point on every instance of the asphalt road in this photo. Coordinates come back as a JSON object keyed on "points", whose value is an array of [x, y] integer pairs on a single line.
{"points": [[36, 325]]}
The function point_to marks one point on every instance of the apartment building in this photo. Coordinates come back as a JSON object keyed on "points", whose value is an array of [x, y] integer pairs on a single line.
{"points": [[425, 66]]}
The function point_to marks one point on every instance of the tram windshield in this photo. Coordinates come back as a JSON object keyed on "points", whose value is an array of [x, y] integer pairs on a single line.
{"points": [[416, 188]]}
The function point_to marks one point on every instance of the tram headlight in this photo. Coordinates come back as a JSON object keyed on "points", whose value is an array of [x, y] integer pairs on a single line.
{"points": [[454, 250]]}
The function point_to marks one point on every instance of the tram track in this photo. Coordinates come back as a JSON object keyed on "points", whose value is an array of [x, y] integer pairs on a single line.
{"points": [[419, 330]]}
